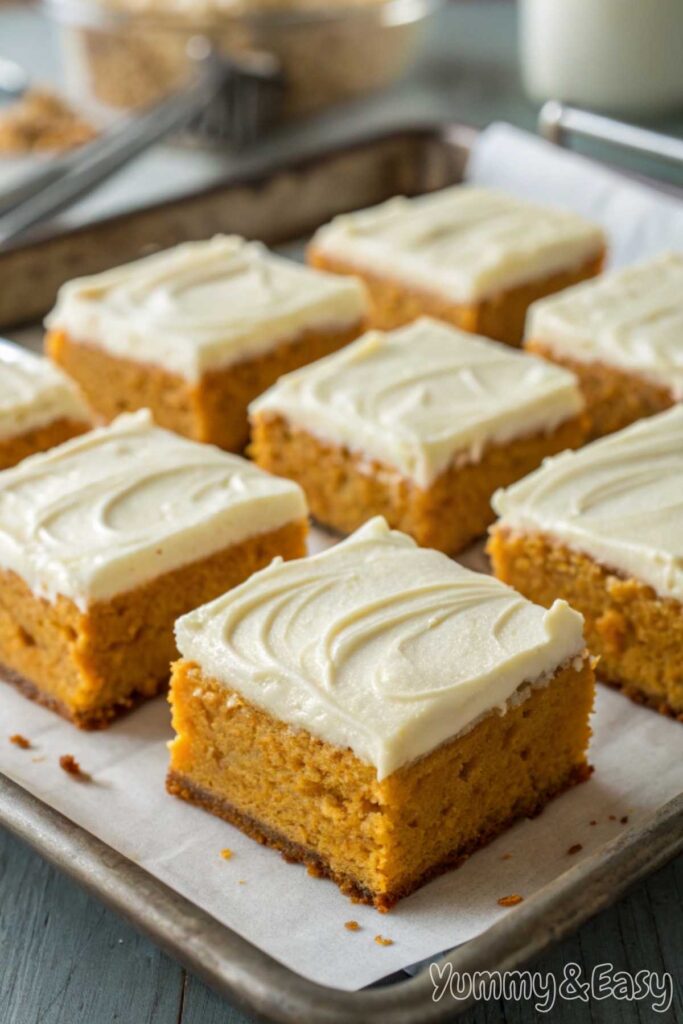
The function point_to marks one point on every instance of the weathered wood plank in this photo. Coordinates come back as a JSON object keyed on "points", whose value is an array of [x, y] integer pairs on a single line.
{"points": [[65, 959]]}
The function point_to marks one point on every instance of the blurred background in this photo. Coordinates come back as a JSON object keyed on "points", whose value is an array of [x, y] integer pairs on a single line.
{"points": [[276, 78]]}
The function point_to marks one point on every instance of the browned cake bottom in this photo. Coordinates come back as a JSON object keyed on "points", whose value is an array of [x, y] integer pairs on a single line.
{"points": [[502, 316], [317, 866], [614, 398], [379, 841], [14, 449], [92, 666], [90, 721], [637, 634], [344, 489], [214, 410]]}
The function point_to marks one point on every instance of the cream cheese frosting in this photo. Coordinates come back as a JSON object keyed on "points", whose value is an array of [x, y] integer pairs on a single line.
{"points": [[631, 319], [378, 645], [417, 397], [204, 305], [123, 504], [34, 393], [618, 500], [463, 242]]}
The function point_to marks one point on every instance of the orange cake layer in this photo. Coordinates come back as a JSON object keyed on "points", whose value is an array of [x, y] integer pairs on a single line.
{"points": [[212, 410], [92, 665], [38, 439], [637, 634], [378, 840], [501, 316], [614, 398], [345, 488]]}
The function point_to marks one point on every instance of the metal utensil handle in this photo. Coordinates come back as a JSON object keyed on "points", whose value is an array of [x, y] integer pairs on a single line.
{"points": [[80, 172], [556, 122]]}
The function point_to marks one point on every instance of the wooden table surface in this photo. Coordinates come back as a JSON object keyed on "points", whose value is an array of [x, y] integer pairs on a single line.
{"points": [[66, 959]]}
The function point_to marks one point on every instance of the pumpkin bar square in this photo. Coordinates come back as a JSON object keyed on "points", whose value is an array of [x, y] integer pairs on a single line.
{"points": [[378, 711], [474, 257], [420, 425], [622, 335], [603, 529], [196, 332], [106, 540], [39, 406]]}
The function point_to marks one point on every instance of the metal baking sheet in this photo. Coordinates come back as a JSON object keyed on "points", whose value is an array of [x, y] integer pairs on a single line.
{"points": [[281, 205]]}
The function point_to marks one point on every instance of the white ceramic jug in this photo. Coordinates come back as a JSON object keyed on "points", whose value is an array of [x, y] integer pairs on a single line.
{"points": [[624, 56]]}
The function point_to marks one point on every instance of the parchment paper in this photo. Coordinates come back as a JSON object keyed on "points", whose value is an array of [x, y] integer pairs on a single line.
{"points": [[299, 920]]}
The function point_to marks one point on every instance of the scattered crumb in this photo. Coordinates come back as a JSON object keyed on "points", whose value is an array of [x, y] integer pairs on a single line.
{"points": [[381, 941], [70, 765], [226, 854], [38, 760], [506, 856], [593, 822], [352, 926], [612, 817], [510, 901], [624, 820], [575, 848], [41, 121], [20, 741], [243, 881]]}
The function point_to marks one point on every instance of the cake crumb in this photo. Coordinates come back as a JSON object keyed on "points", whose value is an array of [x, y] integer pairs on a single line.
{"points": [[381, 941], [510, 901], [20, 741], [352, 926], [506, 856], [226, 854], [38, 760], [70, 765], [612, 817], [575, 848], [242, 881], [624, 820], [593, 822]]}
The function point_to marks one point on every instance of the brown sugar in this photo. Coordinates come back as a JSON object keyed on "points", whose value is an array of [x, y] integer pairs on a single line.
{"points": [[42, 121]]}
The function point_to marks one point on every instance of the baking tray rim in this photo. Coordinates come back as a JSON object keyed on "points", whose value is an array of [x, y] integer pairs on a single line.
{"points": [[262, 985], [255, 175]]}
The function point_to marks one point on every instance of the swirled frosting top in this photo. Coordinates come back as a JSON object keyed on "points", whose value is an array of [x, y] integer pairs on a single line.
{"points": [[378, 645], [118, 506], [34, 393], [619, 500], [204, 305], [631, 319], [418, 397], [465, 243]]}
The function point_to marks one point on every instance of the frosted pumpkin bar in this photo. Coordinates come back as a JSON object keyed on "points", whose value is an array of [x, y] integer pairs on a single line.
{"points": [[622, 335], [420, 425], [603, 529], [196, 332], [377, 711], [474, 257], [39, 406], [106, 540]]}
